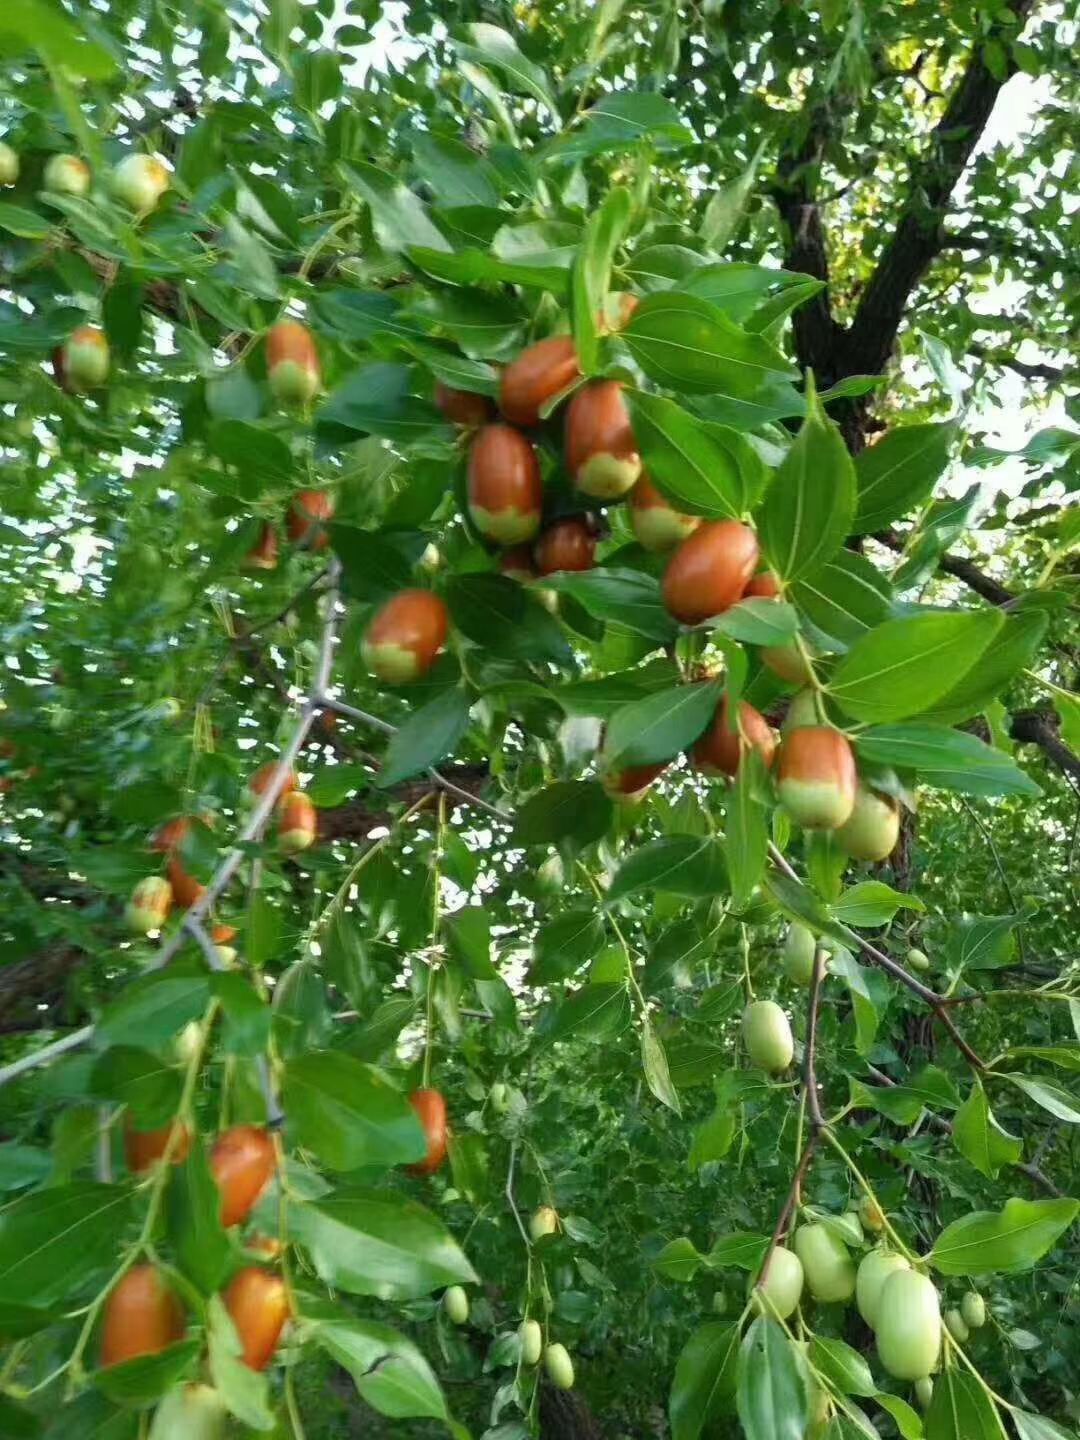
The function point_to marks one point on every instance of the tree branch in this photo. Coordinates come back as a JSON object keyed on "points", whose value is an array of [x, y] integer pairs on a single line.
{"points": [[957, 566], [1021, 367]]}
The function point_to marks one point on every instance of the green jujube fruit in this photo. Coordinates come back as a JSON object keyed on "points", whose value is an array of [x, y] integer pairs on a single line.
{"points": [[799, 948], [973, 1309], [874, 1270], [767, 1036], [908, 1329], [783, 1286], [827, 1265]]}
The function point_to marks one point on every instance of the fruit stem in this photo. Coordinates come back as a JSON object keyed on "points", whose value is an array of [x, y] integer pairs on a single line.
{"points": [[868, 1189], [432, 960]]}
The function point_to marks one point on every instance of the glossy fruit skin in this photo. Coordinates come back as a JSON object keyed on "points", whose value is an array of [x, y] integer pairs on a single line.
{"points": [[657, 525], [142, 1316], [405, 635], [83, 363], [908, 1325], [783, 1285], [505, 489], [829, 1268], [799, 950], [430, 1110], [242, 1163], [298, 823], [973, 1310], [292, 363], [762, 586], [140, 181], [538, 374], [874, 1269], [631, 782], [264, 777], [918, 959], [543, 1221], [566, 545], [789, 662], [67, 175], [456, 1304], [601, 453], [719, 750], [144, 1148], [559, 1367], [9, 164], [517, 564], [956, 1326], [258, 1304], [709, 571], [767, 1036], [817, 779], [872, 829], [307, 515], [463, 407], [190, 1412], [871, 1214], [186, 890], [263, 555], [532, 1341], [149, 906]]}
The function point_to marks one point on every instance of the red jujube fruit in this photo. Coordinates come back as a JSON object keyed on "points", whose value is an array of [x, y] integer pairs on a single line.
{"points": [[142, 1316], [242, 1163], [601, 453], [817, 778], [566, 545], [764, 586], [430, 1110], [463, 407], [307, 516], [506, 492], [143, 1148], [709, 571], [405, 636], [538, 374], [720, 749], [258, 1304]]}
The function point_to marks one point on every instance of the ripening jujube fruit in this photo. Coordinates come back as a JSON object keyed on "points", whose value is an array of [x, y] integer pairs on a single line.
{"points": [[67, 175], [430, 1108], [266, 774], [186, 890], [798, 954], [405, 635], [505, 488], [783, 1285], [874, 1269], [719, 749], [601, 452], [762, 586], [263, 555], [149, 906], [826, 1262], [82, 362], [631, 781], [9, 164], [816, 779], [543, 1221], [258, 1305], [306, 518], [871, 1214], [565, 545], [789, 662], [242, 1162], [559, 1367], [535, 377], [298, 823], [142, 1316], [709, 571], [463, 407], [908, 1325], [168, 838], [973, 1309], [657, 525], [532, 1341], [872, 829], [517, 564], [803, 709], [456, 1305], [144, 1148], [292, 363], [139, 181], [767, 1036]]}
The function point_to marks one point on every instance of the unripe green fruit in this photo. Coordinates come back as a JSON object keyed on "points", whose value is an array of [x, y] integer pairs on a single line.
{"points": [[544, 1221], [803, 710], [67, 175], [973, 1309], [924, 1392], [9, 165], [829, 1269], [499, 1097], [719, 1303], [192, 1412], [139, 181], [783, 1285], [872, 829], [456, 1304], [908, 1325], [874, 1270], [871, 1214], [532, 1341], [767, 1036], [954, 1323], [559, 1366], [799, 949], [917, 960]]}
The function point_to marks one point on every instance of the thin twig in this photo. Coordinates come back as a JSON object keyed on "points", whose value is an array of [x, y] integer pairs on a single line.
{"points": [[813, 1100], [783, 1223]]}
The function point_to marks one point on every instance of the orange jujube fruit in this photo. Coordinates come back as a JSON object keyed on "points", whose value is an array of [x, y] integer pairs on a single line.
{"points": [[143, 1148], [405, 636], [292, 363], [430, 1109], [764, 585], [258, 1304], [307, 516], [223, 934], [538, 374], [265, 776], [720, 749], [817, 778], [601, 453], [242, 1163], [298, 823], [142, 1316], [463, 407], [709, 571], [566, 545], [631, 782], [506, 492], [187, 891]]}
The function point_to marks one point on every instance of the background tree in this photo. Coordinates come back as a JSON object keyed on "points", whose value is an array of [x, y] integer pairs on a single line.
{"points": [[322, 715]]}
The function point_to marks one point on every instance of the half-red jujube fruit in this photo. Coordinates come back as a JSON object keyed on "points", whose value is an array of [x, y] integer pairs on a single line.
{"points": [[266, 774], [405, 636], [817, 779], [263, 555], [306, 518], [601, 453], [709, 571], [657, 525], [298, 823], [763, 586], [720, 749], [430, 1110], [292, 363], [535, 377], [505, 488]]}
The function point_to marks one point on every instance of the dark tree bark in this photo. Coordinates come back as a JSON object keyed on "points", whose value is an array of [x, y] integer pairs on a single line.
{"points": [[565, 1415]]}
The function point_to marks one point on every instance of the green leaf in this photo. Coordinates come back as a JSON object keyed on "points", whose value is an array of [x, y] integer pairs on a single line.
{"points": [[930, 1089], [703, 1387], [245, 1392], [1013, 648], [1011, 1240], [908, 1421], [374, 568], [690, 346], [678, 864], [398, 217], [961, 1409], [946, 759], [865, 989], [570, 809], [52, 1241], [348, 1114], [592, 271], [145, 1379], [742, 1249], [903, 666], [727, 205], [193, 1220], [979, 1137], [746, 831], [492, 46], [845, 598], [758, 621], [456, 174], [982, 942], [842, 1366], [628, 601], [562, 945], [1051, 1096], [154, 1008], [1037, 1427], [499, 614], [376, 399], [622, 121], [372, 1243], [897, 473], [35, 25], [390, 1373], [247, 1015], [772, 1396], [595, 1012], [872, 903], [689, 460], [678, 1260], [806, 514], [19, 1321], [140, 1080], [655, 1065], [660, 726], [426, 737], [27, 224]]}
